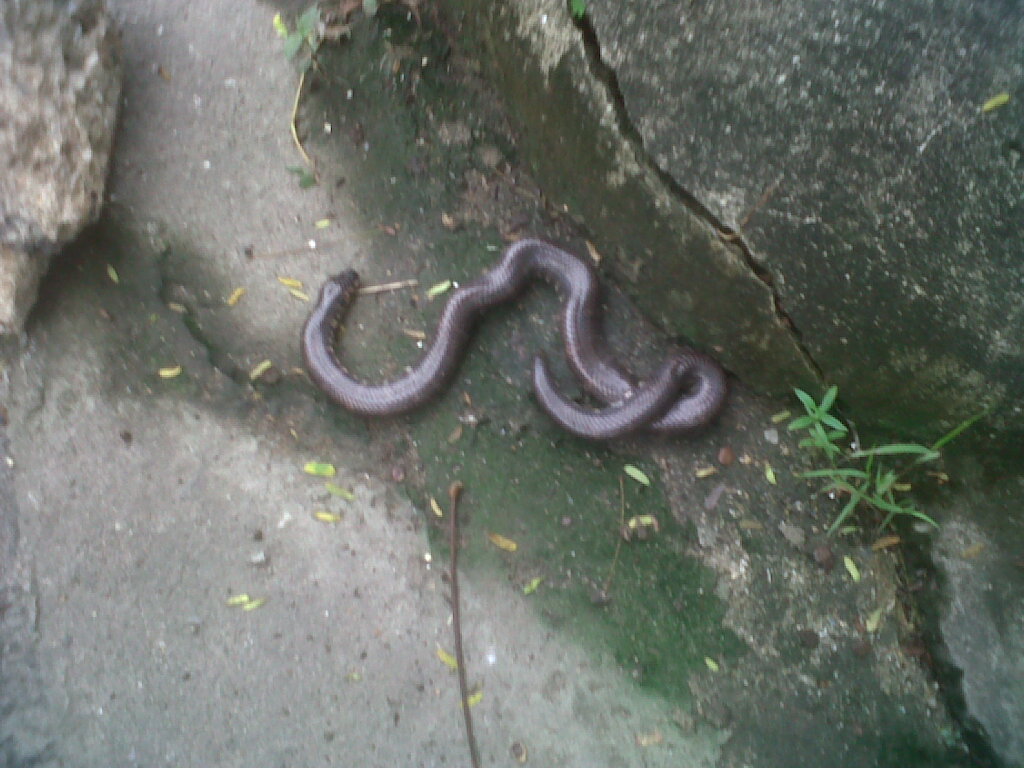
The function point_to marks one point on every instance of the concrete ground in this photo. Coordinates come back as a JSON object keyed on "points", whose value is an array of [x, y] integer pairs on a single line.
{"points": [[137, 504]]}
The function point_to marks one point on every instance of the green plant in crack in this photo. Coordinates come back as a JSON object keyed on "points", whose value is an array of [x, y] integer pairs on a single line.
{"points": [[301, 44], [872, 478]]}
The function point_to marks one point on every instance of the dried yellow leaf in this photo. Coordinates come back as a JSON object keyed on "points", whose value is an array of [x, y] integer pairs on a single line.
{"points": [[874, 619], [995, 102], [289, 282], [446, 658], [174, 306], [711, 664], [319, 469], [323, 223], [236, 294], [474, 698], [252, 605], [532, 585], [705, 472], [414, 334], [279, 26], [637, 474], [327, 517], [259, 369], [436, 508], [240, 599], [439, 288], [300, 295], [885, 542], [170, 372], [851, 568], [780, 416], [502, 542], [651, 739], [337, 490], [112, 274], [972, 551]]}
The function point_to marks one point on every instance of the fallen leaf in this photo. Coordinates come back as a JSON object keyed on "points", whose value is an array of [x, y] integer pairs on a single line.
{"points": [[851, 568], [885, 542], [112, 274], [327, 517], [319, 469], [995, 102], [289, 282], [636, 474], [446, 658], [649, 739], [252, 605], [236, 294], [780, 416], [502, 542], [436, 508], [337, 490], [240, 599], [259, 369], [170, 372], [532, 585], [439, 288], [972, 551], [769, 474], [322, 223], [300, 295], [874, 619], [711, 664], [474, 698], [706, 472]]}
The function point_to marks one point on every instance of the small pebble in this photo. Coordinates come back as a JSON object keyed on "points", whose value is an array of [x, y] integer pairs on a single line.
{"points": [[808, 638], [825, 557]]}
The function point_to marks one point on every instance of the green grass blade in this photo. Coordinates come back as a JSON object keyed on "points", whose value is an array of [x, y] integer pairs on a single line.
{"points": [[896, 449], [954, 433], [828, 399], [833, 474], [800, 422], [847, 511], [807, 400]]}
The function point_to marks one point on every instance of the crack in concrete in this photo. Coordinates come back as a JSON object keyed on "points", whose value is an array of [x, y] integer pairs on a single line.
{"points": [[605, 74]]}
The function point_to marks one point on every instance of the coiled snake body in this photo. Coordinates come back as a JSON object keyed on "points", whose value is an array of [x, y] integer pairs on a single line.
{"points": [[685, 393]]}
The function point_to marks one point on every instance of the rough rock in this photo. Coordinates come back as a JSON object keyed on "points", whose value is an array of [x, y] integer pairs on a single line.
{"points": [[60, 81], [980, 615], [845, 150]]}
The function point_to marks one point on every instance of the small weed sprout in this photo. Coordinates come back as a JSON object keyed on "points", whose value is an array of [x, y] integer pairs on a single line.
{"points": [[302, 44], [865, 476]]}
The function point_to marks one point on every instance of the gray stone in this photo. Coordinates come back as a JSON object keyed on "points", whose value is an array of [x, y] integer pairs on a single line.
{"points": [[846, 149], [981, 615], [60, 81]]}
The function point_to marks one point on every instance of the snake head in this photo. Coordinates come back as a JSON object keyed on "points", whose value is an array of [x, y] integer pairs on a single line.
{"points": [[340, 289]]}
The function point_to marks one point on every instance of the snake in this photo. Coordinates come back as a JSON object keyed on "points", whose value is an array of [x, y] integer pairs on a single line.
{"points": [[684, 394]]}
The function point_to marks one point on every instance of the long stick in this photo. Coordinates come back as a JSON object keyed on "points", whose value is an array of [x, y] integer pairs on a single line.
{"points": [[454, 492]]}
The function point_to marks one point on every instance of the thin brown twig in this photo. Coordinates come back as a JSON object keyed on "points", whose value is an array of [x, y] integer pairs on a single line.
{"points": [[618, 543], [294, 123], [384, 287], [454, 492]]}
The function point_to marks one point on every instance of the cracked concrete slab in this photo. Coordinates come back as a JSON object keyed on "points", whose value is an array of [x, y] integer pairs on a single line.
{"points": [[143, 502], [839, 155]]}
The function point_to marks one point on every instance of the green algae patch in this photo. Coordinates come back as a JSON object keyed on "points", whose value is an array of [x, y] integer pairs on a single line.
{"points": [[567, 505]]}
